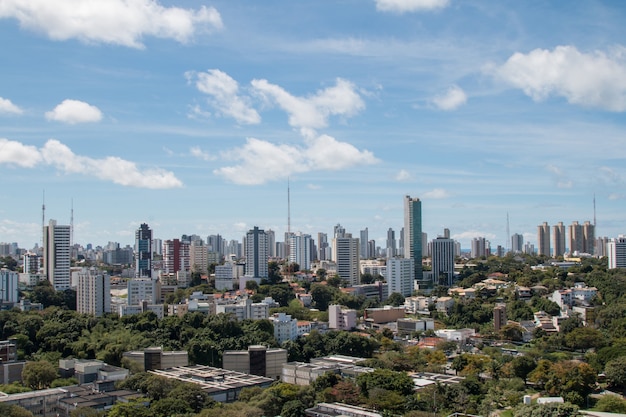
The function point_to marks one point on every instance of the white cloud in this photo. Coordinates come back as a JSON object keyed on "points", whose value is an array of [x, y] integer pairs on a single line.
{"points": [[225, 98], [595, 79], [120, 22], [6, 106], [16, 153], [403, 175], [200, 154], [74, 111], [403, 6], [261, 161], [436, 194], [452, 99], [312, 112], [313, 187], [560, 177], [617, 196], [58, 155]]}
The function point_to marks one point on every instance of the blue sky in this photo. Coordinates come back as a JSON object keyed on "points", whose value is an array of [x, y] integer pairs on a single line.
{"points": [[191, 116]]}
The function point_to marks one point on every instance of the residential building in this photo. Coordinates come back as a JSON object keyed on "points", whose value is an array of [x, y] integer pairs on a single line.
{"points": [[245, 309], [257, 254], [391, 249], [225, 276], [364, 240], [416, 304], [93, 294], [56, 257], [543, 239], [340, 318], [616, 251], [323, 248], [346, 256], [413, 234], [9, 281], [300, 250], [143, 251], [199, 257], [558, 239], [442, 261], [385, 314], [499, 316], [400, 278], [517, 243], [479, 247], [176, 256], [143, 289], [285, 327]]}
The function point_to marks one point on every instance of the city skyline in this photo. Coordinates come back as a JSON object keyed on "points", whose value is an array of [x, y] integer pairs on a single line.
{"points": [[192, 117]]}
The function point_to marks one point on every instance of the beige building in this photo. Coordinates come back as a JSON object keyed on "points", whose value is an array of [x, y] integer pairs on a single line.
{"points": [[257, 360]]}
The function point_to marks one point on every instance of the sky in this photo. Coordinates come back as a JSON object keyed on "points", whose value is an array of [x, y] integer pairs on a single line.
{"points": [[195, 116]]}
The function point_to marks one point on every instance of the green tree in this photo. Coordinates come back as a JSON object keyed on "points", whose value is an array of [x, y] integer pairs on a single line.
{"points": [[322, 295], [38, 375], [293, 408], [611, 404], [385, 379], [547, 410], [133, 408], [395, 299], [615, 371]]}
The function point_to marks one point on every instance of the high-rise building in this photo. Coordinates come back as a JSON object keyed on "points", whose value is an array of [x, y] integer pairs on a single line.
{"points": [[143, 290], [199, 257], [413, 234], [558, 239], [443, 261], [576, 238], [479, 247], [300, 250], [323, 249], [364, 239], [176, 256], [143, 251], [9, 281], [589, 237], [517, 243], [346, 256], [271, 242], [543, 239], [401, 241], [257, 254], [499, 316], [391, 243], [31, 263], [400, 276], [93, 294], [339, 231], [616, 251], [215, 244], [56, 258], [601, 247]]}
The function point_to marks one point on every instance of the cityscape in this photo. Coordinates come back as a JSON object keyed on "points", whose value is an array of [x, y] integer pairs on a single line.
{"points": [[363, 208]]}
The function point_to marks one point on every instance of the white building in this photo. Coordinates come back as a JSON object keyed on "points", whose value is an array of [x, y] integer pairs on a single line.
{"points": [[300, 250], [257, 254], [8, 286], [225, 276], [341, 319], [245, 309], [346, 256], [56, 255], [285, 328], [93, 295], [400, 276], [616, 251], [143, 289], [415, 304], [443, 250]]}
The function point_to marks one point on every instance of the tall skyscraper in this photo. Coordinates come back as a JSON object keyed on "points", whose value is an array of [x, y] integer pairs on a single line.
{"points": [[589, 237], [143, 251], [479, 247], [56, 258], [346, 256], [176, 256], [391, 243], [323, 249], [543, 239], [300, 250], [616, 251], [558, 239], [413, 234], [9, 282], [443, 261], [364, 239], [271, 242], [576, 238], [199, 257], [400, 276], [93, 294], [517, 243], [257, 254]]}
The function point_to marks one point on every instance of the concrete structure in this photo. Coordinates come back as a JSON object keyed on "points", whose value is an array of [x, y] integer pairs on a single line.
{"points": [[143, 251], [391, 248], [378, 290], [346, 255], [91, 370], [143, 289], [413, 234], [543, 239], [442, 261], [416, 304], [455, 335], [616, 252], [285, 327], [245, 309], [340, 318], [176, 256], [339, 409], [156, 358], [499, 317], [558, 239], [93, 294], [257, 360], [408, 326], [220, 384], [257, 254], [56, 255], [9, 287], [400, 276], [445, 304], [384, 314], [517, 243], [129, 310], [199, 257], [363, 242], [300, 245], [300, 373]]}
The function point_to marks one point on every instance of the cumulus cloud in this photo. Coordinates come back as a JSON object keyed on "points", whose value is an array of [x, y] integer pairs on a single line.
{"points": [[436, 194], [16, 153], [312, 112], [120, 22], [58, 155], [596, 79], [224, 95], [259, 161], [560, 177], [404, 6], [6, 106], [452, 99], [403, 175], [74, 111], [200, 154]]}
